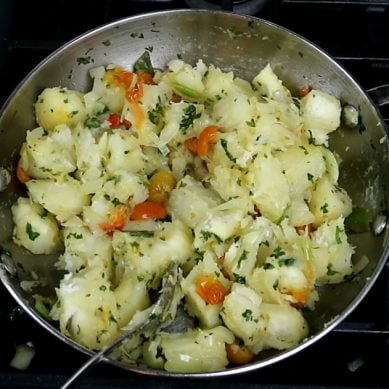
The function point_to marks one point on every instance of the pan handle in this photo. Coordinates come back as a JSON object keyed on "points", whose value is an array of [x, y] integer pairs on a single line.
{"points": [[380, 94]]}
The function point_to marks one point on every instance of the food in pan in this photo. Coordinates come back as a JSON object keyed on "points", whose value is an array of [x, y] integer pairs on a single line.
{"points": [[233, 180]]}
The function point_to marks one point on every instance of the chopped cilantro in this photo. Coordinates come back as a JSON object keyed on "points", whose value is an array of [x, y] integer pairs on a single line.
{"points": [[242, 258], [31, 233], [84, 60], [278, 252], [251, 123], [248, 315], [324, 208], [190, 114], [92, 122], [224, 144], [106, 43], [268, 266], [338, 233], [286, 261]]}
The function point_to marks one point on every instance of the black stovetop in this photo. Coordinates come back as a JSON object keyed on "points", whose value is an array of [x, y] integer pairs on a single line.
{"points": [[356, 354]]}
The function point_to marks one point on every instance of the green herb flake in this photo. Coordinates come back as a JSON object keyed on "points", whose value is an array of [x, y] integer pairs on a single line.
{"points": [[324, 208], [330, 271], [278, 252], [248, 315], [31, 233], [116, 202], [205, 235], [310, 177], [338, 235], [251, 123], [286, 261], [242, 258], [224, 144], [84, 60], [268, 266], [190, 114], [239, 279], [92, 122], [156, 114], [103, 288], [106, 43]]}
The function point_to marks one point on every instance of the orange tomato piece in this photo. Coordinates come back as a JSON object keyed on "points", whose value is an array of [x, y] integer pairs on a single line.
{"points": [[138, 113], [22, 175], [148, 210], [210, 289], [304, 90], [237, 354], [200, 145], [116, 221], [145, 77], [191, 144], [301, 297], [136, 93], [207, 136], [119, 77]]}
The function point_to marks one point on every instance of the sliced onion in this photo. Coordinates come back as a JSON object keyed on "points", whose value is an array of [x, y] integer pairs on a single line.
{"points": [[23, 356]]}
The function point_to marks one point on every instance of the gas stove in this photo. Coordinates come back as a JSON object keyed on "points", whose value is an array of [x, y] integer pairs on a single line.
{"points": [[356, 353]]}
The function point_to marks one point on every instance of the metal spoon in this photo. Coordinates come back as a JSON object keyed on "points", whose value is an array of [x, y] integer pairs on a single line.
{"points": [[160, 314]]}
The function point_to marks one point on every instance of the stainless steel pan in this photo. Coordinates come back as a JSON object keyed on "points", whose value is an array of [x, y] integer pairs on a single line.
{"points": [[244, 45]]}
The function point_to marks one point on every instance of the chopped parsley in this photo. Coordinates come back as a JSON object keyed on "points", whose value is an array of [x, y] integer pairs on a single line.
{"points": [[310, 177], [103, 288], [239, 279], [278, 252], [224, 144], [106, 43], [248, 315], [286, 261], [31, 233], [251, 123], [330, 271], [242, 258], [338, 233], [155, 115], [190, 114], [92, 122], [268, 266], [324, 208], [84, 60]]}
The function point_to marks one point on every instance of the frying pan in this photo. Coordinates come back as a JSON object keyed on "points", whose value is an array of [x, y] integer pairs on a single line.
{"points": [[232, 42]]}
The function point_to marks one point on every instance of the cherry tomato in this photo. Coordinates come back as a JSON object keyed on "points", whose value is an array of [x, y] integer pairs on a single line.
{"points": [[148, 210], [22, 175], [145, 77], [116, 221], [207, 136], [114, 120], [210, 289]]}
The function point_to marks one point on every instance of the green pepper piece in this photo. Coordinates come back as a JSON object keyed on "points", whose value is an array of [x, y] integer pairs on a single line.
{"points": [[41, 304], [359, 220], [143, 63], [187, 92]]}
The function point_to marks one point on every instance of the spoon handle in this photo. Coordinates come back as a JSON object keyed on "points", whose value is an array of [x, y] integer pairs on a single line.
{"points": [[100, 355]]}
